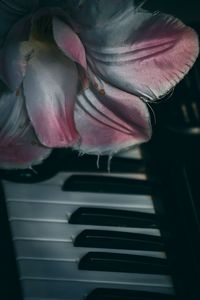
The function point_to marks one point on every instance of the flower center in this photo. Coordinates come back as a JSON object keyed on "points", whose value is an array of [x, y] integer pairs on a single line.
{"points": [[42, 29]]}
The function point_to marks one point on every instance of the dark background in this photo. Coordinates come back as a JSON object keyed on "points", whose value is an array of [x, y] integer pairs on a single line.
{"points": [[187, 10]]}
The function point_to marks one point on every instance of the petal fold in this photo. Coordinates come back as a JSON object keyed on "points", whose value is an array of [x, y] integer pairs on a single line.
{"points": [[19, 146], [69, 42], [142, 53], [50, 87], [109, 120]]}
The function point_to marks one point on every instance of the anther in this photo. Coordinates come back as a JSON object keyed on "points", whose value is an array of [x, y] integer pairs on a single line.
{"points": [[96, 86], [102, 92]]}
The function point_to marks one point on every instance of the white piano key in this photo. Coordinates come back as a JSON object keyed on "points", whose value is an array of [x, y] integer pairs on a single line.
{"points": [[29, 209], [61, 177], [68, 271], [132, 152], [62, 230], [33, 298], [62, 289], [38, 298], [54, 195], [66, 250], [43, 240]]}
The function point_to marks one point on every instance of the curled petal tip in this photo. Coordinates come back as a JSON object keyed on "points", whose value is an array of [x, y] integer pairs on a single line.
{"points": [[69, 42]]}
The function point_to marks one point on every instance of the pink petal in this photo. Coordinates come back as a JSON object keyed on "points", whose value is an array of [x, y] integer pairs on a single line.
{"points": [[19, 146], [109, 120], [29, 153], [141, 53], [69, 42], [50, 89]]}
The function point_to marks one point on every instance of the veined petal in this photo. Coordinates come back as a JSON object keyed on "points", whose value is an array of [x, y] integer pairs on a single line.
{"points": [[109, 120], [50, 87], [142, 53], [69, 42], [19, 146]]}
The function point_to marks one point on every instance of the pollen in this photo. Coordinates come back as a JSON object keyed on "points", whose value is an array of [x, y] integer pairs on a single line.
{"points": [[96, 86], [102, 92]]}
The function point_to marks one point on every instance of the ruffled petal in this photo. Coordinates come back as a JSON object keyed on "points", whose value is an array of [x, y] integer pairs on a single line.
{"points": [[109, 120], [50, 87], [19, 146], [141, 53]]}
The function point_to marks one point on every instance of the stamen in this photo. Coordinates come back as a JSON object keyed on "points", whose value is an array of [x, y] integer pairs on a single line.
{"points": [[102, 92], [96, 86], [98, 159], [109, 162]]}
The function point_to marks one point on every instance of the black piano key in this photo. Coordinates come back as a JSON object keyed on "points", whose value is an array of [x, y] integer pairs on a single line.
{"points": [[113, 217], [107, 184], [127, 263], [118, 240], [120, 294]]}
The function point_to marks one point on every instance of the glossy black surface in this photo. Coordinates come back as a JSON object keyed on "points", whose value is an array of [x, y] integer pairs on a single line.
{"points": [[107, 184], [118, 240], [114, 262], [117, 294], [113, 217]]}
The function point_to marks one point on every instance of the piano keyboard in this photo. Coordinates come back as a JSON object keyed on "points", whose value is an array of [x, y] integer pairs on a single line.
{"points": [[90, 235], [89, 228]]}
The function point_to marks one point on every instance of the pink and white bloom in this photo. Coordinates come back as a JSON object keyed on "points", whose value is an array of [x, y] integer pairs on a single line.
{"points": [[80, 77]]}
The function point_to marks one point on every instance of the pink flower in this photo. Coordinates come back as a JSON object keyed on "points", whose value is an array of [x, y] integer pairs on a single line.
{"points": [[81, 77]]}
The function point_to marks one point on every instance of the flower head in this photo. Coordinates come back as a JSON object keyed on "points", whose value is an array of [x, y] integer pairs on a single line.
{"points": [[79, 73]]}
